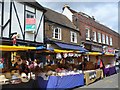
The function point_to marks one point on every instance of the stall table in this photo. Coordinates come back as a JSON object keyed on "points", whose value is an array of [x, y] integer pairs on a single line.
{"points": [[109, 71], [92, 75], [69, 81]]}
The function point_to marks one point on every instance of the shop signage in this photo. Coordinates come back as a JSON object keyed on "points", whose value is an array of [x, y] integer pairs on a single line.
{"points": [[30, 24], [108, 50], [96, 48]]}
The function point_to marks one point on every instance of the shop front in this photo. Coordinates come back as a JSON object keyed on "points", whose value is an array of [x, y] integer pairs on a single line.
{"points": [[109, 60]]}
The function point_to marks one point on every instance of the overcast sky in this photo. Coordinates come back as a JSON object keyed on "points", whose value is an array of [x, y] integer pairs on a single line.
{"points": [[104, 12]]}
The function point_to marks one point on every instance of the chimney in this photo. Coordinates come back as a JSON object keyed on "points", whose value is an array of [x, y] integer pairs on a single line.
{"points": [[93, 17], [65, 6]]}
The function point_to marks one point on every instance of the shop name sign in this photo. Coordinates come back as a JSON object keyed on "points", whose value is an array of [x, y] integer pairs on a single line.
{"points": [[109, 50], [30, 24]]}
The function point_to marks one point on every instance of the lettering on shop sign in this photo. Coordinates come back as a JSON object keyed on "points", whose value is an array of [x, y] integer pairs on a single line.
{"points": [[96, 48]]}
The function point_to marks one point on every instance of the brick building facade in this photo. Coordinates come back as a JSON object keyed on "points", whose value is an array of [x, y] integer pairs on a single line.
{"points": [[58, 28], [94, 35]]}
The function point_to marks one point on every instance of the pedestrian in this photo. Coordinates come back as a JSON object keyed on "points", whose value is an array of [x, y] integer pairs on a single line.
{"points": [[117, 66], [102, 66]]}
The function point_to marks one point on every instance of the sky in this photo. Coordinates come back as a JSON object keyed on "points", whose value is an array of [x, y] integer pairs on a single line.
{"points": [[104, 12]]}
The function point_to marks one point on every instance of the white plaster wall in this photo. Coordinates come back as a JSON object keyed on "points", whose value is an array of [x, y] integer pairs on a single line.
{"points": [[67, 13], [15, 25], [40, 36], [6, 18], [0, 17], [30, 9]]}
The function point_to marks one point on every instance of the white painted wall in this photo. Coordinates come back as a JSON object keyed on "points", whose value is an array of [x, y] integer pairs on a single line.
{"points": [[6, 18], [0, 17], [15, 25], [40, 35], [67, 13]]}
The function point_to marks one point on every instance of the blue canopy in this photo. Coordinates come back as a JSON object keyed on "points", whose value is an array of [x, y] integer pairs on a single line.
{"points": [[40, 47], [71, 47]]}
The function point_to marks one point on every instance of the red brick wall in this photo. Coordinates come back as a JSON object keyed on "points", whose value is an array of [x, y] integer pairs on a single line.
{"points": [[82, 22]]}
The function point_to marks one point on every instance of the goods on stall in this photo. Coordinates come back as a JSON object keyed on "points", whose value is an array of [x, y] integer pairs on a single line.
{"points": [[3, 79]]}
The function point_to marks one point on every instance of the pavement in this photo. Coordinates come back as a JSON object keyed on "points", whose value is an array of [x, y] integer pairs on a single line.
{"points": [[110, 83]]}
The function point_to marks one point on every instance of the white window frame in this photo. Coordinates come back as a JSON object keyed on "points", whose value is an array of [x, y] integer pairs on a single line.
{"points": [[30, 13], [111, 43], [59, 33], [75, 36], [94, 36], [87, 34], [107, 40], [103, 38], [99, 37]]}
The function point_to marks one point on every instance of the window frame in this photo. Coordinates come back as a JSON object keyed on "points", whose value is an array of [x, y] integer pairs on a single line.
{"points": [[59, 33], [28, 12], [111, 41], [94, 36], [87, 36], [107, 39], [71, 37], [99, 37], [103, 38]]}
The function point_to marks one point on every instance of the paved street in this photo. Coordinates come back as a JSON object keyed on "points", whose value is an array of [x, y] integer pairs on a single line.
{"points": [[108, 82]]}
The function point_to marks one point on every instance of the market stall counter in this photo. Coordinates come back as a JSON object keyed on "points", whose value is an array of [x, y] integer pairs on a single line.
{"points": [[92, 75], [68, 81], [109, 71]]}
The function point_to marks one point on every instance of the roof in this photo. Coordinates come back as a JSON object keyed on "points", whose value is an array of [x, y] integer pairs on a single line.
{"points": [[97, 24], [32, 3], [58, 18]]}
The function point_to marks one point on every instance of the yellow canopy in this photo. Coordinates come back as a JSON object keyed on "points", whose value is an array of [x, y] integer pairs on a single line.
{"points": [[94, 53], [15, 48], [62, 51], [108, 54]]}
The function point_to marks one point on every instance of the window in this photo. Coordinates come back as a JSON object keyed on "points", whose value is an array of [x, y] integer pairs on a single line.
{"points": [[30, 15], [107, 42], [30, 22], [94, 36], [103, 38], [99, 37], [73, 37], [57, 33], [111, 41], [87, 34]]}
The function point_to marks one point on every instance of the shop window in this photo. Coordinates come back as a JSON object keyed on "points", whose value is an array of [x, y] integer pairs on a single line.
{"points": [[103, 38], [73, 37], [87, 34], [111, 41], [57, 33], [30, 22], [99, 37], [30, 15], [107, 41], [94, 36]]}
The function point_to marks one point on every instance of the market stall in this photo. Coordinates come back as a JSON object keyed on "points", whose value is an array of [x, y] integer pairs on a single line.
{"points": [[92, 75], [109, 61], [68, 81]]}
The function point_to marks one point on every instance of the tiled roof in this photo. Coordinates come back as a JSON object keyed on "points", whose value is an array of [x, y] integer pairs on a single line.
{"points": [[59, 18], [32, 3]]}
